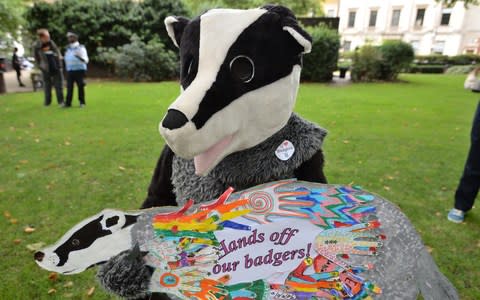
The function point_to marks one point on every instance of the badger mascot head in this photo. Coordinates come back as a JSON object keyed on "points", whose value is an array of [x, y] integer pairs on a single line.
{"points": [[246, 71]]}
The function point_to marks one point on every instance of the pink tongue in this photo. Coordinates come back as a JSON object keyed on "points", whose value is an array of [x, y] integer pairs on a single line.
{"points": [[203, 162]]}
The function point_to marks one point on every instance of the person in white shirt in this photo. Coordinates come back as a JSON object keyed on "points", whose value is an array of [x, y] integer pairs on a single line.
{"points": [[76, 60]]}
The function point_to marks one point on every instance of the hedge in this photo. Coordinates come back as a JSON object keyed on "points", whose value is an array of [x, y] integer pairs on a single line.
{"points": [[463, 59], [320, 64], [428, 69]]}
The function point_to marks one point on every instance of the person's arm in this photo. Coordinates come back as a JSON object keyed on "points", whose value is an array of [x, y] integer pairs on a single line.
{"points": [[312, 169], [160, 191], [36, 54], [82, 55], [57, 53]]}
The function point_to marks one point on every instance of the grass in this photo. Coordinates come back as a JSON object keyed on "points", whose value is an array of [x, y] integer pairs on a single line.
{"points": [[406, 141]]}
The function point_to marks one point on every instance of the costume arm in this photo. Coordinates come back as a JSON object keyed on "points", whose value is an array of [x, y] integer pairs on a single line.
{"points": [[312, 169], [160, 191]]}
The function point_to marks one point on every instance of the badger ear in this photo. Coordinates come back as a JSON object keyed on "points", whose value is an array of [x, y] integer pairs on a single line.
{"points": [[300, 35], [116, 220], [175, 27], [290, 24]]}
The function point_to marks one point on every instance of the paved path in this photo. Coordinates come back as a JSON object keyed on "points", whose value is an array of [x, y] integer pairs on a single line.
{"points": [[12, 84], [336, 80]]}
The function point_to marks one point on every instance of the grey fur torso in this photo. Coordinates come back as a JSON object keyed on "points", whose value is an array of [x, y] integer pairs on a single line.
{"points": [[249, 167]]}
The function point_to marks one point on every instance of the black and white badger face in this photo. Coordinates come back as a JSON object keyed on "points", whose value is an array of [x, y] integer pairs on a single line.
{"points": [[240, 71], [88, 243]]}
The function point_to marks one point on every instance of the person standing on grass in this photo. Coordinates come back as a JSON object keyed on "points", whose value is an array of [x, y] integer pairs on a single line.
{"points": [[17, 66], [49, 60], [76, 60], [469, 185]]}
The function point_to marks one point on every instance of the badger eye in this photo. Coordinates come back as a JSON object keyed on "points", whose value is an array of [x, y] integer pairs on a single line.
{"points": [[75, 242], [242, 68]]}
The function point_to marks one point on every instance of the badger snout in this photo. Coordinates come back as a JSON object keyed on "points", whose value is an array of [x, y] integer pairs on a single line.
{"points": [[38, 256], [174, 119]]}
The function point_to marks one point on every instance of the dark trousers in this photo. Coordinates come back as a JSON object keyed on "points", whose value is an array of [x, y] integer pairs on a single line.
{"points": [[57, 80], [75, 77], [19, 74], [469, 185]]}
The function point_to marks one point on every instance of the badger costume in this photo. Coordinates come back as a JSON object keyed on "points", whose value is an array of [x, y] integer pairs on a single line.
{"points": [[236, 107], [233, 125]]}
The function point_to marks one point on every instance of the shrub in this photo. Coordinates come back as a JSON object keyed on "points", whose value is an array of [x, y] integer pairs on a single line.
{"points": [[141, 61], [460, 69], [320, 64], [367, 64], [396, 56]]}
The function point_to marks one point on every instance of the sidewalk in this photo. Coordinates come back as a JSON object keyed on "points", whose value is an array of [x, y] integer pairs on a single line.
{"points": [[336, 80], [11, 82]]}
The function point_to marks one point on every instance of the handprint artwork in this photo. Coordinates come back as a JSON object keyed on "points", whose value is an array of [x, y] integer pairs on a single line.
{"points": [[283, 240]]}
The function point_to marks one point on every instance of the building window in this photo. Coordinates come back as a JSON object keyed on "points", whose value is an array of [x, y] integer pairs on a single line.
{"points": [[415, 46], [351, 18], [347, 45], [420, 17], [446, 13], [438, 47], [373, 18], [395, 17], [331, 13]]}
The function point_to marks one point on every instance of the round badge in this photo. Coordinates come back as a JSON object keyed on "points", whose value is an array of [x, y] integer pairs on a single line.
{"points": [[285, 151]]}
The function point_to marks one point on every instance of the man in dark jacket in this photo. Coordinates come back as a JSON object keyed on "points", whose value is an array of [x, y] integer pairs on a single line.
{"points": [[49, 60], [17, 66]]}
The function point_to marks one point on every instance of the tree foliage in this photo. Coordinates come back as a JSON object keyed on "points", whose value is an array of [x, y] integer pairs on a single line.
{"points": [[451, 3], [299, 7], [103, 23], [11, 16]]}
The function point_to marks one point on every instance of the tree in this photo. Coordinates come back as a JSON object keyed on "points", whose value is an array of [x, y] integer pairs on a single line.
{"points": [[451, 3], [11, 16], [104, 23], [299, 7]]}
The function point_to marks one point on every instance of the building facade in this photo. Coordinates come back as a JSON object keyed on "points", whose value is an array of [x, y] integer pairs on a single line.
{"points": [[427, 25]]}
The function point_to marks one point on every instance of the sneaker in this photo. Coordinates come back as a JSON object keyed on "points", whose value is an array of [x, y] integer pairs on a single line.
{"points": [[456, 215], [82, 105]]}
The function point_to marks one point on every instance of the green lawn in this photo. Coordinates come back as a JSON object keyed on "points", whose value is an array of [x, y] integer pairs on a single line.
{"points": [[406, 141]]}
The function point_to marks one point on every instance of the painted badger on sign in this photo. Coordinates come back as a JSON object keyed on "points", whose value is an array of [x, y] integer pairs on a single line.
{"points": [[89, 243]]}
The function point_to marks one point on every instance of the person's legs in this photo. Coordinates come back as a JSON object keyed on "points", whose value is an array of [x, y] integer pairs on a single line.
{"points": [[19, 75], [47, 88], [81, 87], [58, 82], [70, 81], [469, 185]]}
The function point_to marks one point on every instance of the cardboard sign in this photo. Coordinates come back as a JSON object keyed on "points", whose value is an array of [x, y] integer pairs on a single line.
{"points": [[282, 240]]}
